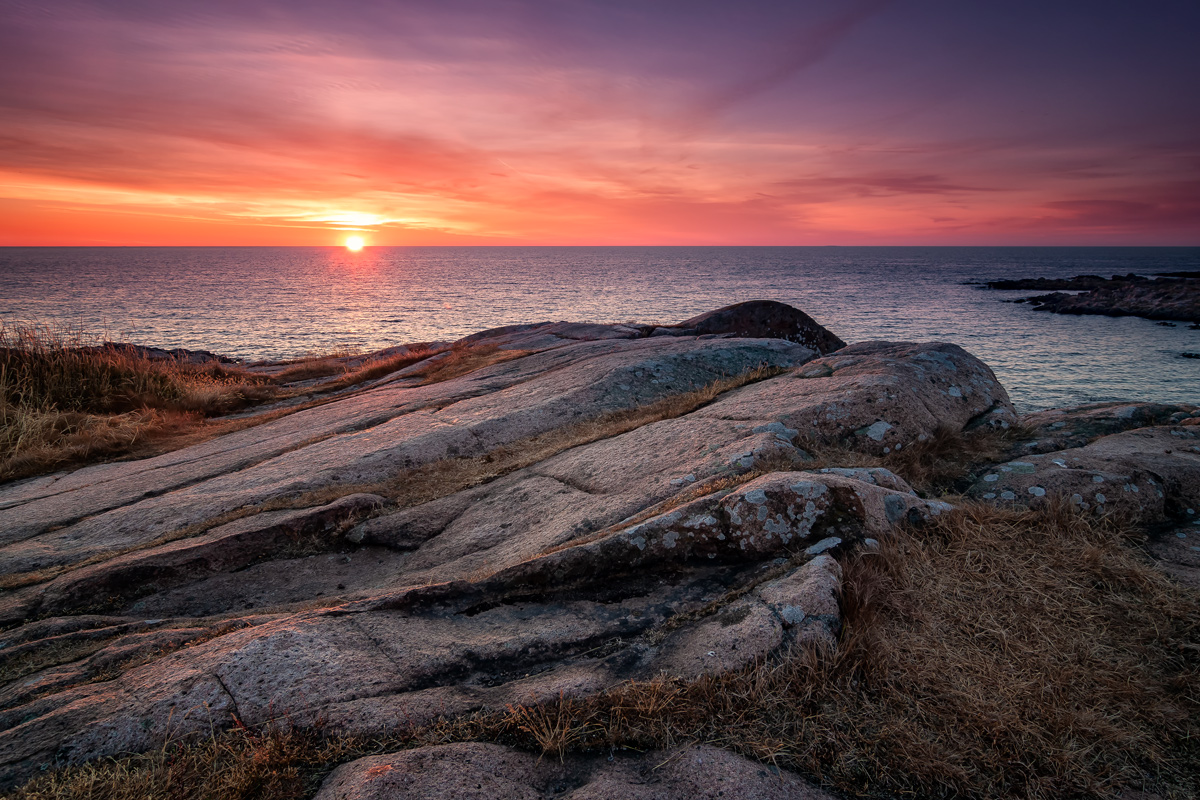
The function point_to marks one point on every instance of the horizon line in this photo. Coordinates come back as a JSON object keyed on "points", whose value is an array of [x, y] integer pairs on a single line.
{"points": [[494, 246]]}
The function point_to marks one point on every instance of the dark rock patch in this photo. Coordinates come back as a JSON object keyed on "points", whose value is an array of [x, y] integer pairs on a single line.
{"points": [[1063, 428], [1129, 296], [761, 319]]}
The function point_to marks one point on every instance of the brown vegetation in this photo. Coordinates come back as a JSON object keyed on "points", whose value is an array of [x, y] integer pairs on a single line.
{"points": [[241, 763], [324, 366], [944, 462], [62, 401], [992, 654], [65, 401], [988, 654], [464, 358]]}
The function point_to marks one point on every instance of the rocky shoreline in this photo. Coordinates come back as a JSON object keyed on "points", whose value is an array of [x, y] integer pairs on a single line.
{"points": [[1171, 296], [612, 503]]}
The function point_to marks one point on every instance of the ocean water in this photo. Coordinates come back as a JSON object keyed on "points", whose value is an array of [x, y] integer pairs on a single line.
{"points": [[272, 303]]}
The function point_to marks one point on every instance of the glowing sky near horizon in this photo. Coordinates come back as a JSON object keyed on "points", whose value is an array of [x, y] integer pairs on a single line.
{"points": [[575, 122]]}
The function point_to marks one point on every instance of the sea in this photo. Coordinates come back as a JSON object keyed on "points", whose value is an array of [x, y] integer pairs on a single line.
{"points": [[259, 303]]}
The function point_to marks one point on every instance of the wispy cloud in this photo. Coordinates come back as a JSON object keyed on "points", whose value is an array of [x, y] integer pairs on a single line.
{"points": [[578, 122]]}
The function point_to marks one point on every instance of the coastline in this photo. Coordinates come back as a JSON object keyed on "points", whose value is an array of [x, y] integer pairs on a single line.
{"points": [[549, 518], [283, 303]]}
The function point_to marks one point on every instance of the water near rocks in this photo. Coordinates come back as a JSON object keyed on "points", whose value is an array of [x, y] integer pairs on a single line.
{"points": [[283, 302]]}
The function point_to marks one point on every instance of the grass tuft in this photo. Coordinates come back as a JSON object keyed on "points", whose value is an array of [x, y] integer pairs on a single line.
{"points": [[276, 763], [464, 358]]}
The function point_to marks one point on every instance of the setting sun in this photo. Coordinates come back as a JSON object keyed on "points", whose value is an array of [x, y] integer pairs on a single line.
{"points": [[354, 243]]}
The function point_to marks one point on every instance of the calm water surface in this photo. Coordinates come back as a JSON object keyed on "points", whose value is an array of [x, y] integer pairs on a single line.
{"points": [[263, 302]]}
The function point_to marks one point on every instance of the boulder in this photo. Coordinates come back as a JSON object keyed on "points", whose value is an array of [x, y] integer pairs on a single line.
{"points": [[762, 319], [1149, 476], [876, 396], [1062, 428], [478, 771]]}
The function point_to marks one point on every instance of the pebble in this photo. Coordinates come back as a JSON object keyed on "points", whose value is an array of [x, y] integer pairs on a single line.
{"points": [[823, 545]]}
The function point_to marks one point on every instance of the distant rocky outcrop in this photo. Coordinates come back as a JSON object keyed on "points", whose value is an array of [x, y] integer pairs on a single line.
{"points": [[1173, 296], [290, 571], [1076, 283]]}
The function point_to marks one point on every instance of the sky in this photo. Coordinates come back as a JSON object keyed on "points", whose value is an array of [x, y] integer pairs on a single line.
{"points": [[599, 122]]}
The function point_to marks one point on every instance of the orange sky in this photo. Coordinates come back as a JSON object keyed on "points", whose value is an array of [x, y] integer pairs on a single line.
{"points": [[597, 123]]}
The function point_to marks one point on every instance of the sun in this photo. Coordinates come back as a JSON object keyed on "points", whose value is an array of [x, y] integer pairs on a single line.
{"points": [[354, 243]]}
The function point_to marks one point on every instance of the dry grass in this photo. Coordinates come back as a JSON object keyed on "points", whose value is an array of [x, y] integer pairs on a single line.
{"points": [[944, 462], [308, 369], [327, 365], [36, 442], [464, 358], [66, 401], [63, 400], [376, 368], [265, 765], [990, 654]]}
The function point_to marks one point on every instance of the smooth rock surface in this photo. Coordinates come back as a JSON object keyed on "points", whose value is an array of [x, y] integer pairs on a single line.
{"points": [[361, 439]]}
